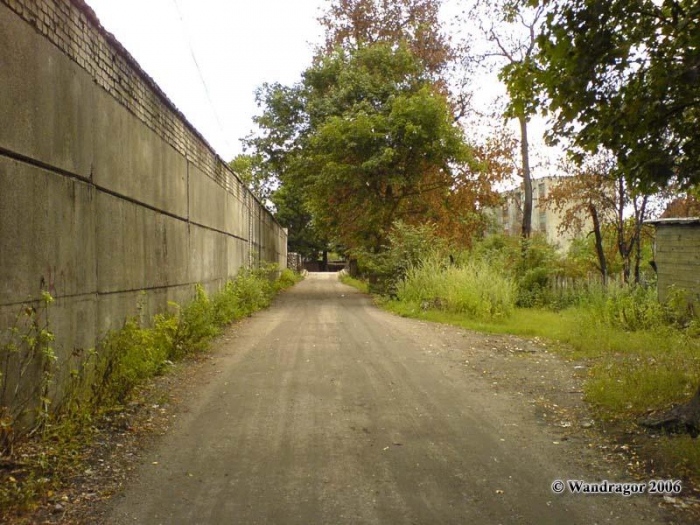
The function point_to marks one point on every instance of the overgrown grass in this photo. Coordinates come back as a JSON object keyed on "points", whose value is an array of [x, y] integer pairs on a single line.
{"points": [[475, 288], [633, 372], [125, 359], [355, 283]]}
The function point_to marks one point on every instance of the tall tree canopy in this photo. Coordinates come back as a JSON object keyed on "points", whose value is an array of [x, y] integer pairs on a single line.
{"points": [[352, 24], [625, 75], [368, 137]]}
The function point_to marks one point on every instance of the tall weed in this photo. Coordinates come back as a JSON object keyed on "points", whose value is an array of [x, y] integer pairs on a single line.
{"points": [[473, 287]]}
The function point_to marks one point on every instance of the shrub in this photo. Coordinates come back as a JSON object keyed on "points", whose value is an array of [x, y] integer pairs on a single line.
{"points": [[474, 287], [128, 356], [407, 246]]}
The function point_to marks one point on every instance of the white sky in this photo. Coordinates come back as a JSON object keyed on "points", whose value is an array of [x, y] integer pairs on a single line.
{"points": [[238, 44]]}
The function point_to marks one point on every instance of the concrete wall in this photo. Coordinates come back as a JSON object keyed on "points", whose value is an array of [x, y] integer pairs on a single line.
{"points": [[109, 198]]}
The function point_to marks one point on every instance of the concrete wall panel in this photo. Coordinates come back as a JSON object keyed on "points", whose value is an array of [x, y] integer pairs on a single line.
{"points": [[108, 197], [207, 254], [47, 233], [207, 200], [139, 248], [131, 160], [46, 99]]}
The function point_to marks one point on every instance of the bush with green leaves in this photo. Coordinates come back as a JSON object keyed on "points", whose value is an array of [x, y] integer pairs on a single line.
{"points": [[632, 308], [407, 246]]}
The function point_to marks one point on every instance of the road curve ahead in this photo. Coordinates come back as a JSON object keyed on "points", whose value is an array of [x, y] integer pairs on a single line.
{"points": [[326, 410]]}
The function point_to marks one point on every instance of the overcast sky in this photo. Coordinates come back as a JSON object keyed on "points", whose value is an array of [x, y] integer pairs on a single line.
{"points": [[238, 45]]}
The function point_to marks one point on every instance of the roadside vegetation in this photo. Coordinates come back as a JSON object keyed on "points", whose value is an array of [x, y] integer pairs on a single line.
{"points": [[644, 356], [41, 443]]}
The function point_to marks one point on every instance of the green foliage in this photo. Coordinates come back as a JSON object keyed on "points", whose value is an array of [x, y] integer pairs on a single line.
{"points": [[632, 372], [128, 356], [634, 308], [197, 323], [292, 212], [27, 370], [407, 246], [622, 74], [358, 284], [475, 287], [125, 359], [251, 170], [362, 140], [287, 279], [105, 377]]}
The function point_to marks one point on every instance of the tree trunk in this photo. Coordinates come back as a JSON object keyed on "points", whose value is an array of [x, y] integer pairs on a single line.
{"points": [[527, 180], [637, 258], [639, 214], [622, 246], [600, 252], [681, 419], [352, 268], [324, 264]]}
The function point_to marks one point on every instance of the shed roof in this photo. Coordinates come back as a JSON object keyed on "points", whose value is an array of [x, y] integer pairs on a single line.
{"points": [[675, 220]]}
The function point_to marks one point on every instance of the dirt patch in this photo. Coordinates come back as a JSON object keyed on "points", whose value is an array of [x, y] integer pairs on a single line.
{"points": [[531, 368]]}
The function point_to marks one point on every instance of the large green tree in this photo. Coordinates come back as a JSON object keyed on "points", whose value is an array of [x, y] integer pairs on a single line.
{"points": [[365, 137], [625, 75]]}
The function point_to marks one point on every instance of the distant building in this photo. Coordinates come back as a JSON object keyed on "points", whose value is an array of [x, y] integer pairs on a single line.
{"points": [[508, 219], [677, 255]]}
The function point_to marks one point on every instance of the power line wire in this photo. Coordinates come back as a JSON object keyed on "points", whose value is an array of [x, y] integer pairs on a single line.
{"points": [[201, 76]]}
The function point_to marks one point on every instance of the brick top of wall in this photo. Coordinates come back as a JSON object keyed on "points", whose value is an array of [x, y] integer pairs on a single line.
{"points": [[74, 28]]}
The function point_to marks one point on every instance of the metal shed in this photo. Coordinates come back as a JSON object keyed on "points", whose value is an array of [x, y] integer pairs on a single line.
{"points": [[677, 254]]}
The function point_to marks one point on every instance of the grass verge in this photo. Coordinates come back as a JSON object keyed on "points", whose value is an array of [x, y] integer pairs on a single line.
{"points": [[632, 372], [109, 376], [355, 283]]}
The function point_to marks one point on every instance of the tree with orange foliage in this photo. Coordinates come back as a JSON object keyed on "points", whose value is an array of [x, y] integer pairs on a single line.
{"points": [[352, 24], [596, 195]]}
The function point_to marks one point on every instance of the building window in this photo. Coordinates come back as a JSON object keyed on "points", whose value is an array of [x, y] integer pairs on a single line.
{"points": [[543, 221], [540, 190]]}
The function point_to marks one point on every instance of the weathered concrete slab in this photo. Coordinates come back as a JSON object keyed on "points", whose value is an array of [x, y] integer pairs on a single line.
{"points": [[236, 216], [138, 247], [236, 255], [47, 233], [207, 200], [207, 254], [115, 308], [47, 100], [133, 161]]}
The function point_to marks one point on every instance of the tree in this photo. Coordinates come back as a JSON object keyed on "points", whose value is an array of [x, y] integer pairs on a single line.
{"points": [[290, 211], [251, 171], [369, 136], [353, 24], [381, 140], [586, 195], [625, 75], [682, 206], [514, 46], [596, 196]]}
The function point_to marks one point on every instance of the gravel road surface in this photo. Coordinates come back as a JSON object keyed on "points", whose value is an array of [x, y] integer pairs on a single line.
{"points": [[325, 409]]}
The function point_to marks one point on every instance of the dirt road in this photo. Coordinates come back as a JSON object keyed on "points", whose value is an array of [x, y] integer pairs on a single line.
{"points": [[326, 410]]}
